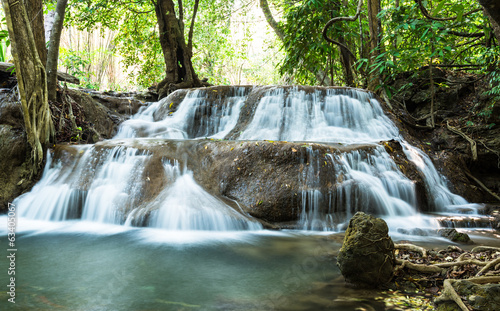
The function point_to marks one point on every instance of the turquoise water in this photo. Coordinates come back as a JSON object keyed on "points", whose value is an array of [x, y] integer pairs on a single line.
{"points": [[89, 266]]}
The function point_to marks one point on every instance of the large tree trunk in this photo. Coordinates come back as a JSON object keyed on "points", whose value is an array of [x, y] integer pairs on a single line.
{"points": [[35, 14], [53, 53], [31, 77], [373, 21], [492, 11], [179, 71]]}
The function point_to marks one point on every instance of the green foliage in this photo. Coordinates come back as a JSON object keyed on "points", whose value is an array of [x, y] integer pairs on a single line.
{"points": [[412, 41], [4, 39], [4, 43], [306, 49], [78, 65]]}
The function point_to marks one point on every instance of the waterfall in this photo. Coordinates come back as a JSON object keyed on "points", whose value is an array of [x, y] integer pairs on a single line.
{"points": [[128, 180], [187, 206], [334, 115], [194, 118], [107, 186]]}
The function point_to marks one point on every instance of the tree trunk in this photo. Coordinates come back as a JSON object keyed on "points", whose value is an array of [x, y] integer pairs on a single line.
{"points": [[30, 72], [34, 9], [373, 10], [53, 53], [179, 71], [492, 11]]}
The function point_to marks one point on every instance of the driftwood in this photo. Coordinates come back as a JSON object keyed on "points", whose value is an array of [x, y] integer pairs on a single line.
{"points": [[61, 76]]}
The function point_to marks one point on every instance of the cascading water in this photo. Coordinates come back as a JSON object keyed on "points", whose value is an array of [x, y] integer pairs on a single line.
{"points": [[333, 115], [111, 191], [113, 185], [195, 117]]}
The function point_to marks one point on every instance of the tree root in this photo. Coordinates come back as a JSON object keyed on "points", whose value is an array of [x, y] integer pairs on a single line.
{"points": [[479, 249], [413, 248], [472, 142], [449, 293], [465, 259], [482, 185], [488, 266], [419, 267]]}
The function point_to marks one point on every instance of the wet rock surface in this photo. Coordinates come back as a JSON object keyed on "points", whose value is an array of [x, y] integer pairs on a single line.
{"points": [[265, 178], [455, 236], [366, 258], [478, 297]]}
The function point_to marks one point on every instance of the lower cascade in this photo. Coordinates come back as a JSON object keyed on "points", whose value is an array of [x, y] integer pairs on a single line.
{"points": [[244, 158]]}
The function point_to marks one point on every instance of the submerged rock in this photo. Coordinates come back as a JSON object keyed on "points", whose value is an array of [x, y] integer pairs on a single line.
{"points": [[366, 258]]}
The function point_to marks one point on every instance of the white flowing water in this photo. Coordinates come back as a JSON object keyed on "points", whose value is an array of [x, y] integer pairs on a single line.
{"points": [[334, 115], [114, 194], [195, 117], [366, 180], [187, 206]]}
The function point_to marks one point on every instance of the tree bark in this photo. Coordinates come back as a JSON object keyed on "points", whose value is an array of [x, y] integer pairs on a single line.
{"points": [[35, 14], [31, 77], [373, 10], [53, 53], [492, 11], [179, 71]]}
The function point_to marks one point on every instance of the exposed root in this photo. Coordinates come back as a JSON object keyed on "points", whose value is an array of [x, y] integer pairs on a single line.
{"points": [[472, 142], [493, 194], [485, 279], [488, 266], [454, 265], [449, 293], [419, 267], [411, 247], [479, 249]]}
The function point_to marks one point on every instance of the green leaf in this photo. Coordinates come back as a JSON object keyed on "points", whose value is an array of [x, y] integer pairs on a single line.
{"points": [[439, 7]]}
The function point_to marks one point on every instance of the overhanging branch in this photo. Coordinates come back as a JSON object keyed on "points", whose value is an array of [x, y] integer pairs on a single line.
{"points": [[338, 19]]}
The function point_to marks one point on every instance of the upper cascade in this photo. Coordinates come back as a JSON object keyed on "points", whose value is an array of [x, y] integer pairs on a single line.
{"points": [[340, 115]]}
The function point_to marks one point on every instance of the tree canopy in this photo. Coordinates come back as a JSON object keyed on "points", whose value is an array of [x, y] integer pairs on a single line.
{"points": [[408, 35]]}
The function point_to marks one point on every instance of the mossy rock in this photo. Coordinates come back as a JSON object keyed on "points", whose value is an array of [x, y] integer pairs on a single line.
{"points": [[366, 258]]}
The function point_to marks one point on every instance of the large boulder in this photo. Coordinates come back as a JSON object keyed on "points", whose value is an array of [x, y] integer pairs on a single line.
{"points": [[366, 258]]}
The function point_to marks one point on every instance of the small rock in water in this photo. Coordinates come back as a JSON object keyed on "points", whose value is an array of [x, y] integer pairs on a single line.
{"points": [[366, 258], [455, 236]]}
